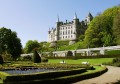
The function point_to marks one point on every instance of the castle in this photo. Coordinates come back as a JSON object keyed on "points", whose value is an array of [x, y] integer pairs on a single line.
{"points": [[69, 30]]}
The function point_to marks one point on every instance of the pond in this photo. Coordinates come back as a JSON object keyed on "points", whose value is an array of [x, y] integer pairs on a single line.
{"points": [[29, 71]]}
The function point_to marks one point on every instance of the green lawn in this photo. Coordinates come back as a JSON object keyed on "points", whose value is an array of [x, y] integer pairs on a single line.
{"points": [[78, 61], [1, 81]]}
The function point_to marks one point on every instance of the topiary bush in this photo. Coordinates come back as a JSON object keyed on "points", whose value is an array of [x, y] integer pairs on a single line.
{"points": [[36, 57], [1, 60]]}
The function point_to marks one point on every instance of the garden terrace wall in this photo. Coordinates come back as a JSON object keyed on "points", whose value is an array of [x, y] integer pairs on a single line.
{"points": [[41, 76]]}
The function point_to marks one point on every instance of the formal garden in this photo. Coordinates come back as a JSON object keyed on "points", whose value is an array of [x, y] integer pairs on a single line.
{"points": [[36, 69], [14, 68]]}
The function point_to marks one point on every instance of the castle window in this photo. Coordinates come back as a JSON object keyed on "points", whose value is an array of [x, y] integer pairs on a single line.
{"points": [[63, 37], [71, 31], [66, 27], [63, 32], [71, 36], [68, 31], [66, 36]]}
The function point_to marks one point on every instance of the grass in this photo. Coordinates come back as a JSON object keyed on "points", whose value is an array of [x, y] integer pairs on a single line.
{"points": [[1, 81], [79, 61], [112, 52]]}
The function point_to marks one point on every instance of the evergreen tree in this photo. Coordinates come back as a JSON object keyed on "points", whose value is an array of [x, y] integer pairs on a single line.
{"points": [[36, 57]]}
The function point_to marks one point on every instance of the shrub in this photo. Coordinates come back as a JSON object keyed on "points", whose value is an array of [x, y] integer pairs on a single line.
{"points": [[1, 60], [69, 53], [28, 57], [36, 57], [44, 59], [116, 60], [50, 54]]}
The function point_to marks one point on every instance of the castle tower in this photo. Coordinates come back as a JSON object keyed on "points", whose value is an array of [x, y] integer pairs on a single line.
{"points": [[76, 22], [88, 19], [57, 29], [74, 29]]}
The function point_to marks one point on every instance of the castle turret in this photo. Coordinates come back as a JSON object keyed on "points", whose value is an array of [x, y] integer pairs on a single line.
{"points": [[88, 19], [57, 29], [76, 22], [49, 31]]}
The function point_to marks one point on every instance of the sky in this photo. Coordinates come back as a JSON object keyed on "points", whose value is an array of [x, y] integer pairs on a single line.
{"points": [[31, 19]]}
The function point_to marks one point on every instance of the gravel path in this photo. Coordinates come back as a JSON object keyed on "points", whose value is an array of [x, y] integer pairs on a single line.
{"points": [[110, 77]]}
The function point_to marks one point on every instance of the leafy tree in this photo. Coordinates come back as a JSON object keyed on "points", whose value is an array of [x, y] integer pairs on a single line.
{"points": [[116, 28], [36, 57], [10, 43], [81, 37], [31, 45], [99, 32]]}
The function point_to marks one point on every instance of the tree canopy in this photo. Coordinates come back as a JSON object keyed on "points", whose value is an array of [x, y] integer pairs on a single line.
{"points": [[100, 31], [10, 43], [31, 45], [116, 28]]}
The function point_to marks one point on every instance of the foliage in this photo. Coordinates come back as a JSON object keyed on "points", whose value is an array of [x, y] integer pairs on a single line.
{"points": [[7, 57], [31, 45], [51, 54], [65, 76], [61, 46], [44, 59], [36, 57], [41, 76], [69, 53], [25, 58], [81, 37], [115, 62], [100, 32], [116, 29], [10, 43], [1, 60]]}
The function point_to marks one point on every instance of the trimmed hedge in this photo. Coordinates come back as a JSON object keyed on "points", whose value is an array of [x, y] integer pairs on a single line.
{"points": [[73, 78], [67, 79], [86, 57], [41, 76]]}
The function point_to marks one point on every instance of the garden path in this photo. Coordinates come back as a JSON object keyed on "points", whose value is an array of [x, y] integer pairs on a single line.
{"points": [[112, 76]]}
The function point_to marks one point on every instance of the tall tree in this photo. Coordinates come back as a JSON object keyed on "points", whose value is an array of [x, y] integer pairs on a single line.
{"points": [[99, 32], [31, 45], [116, 29], [10, 43]]}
